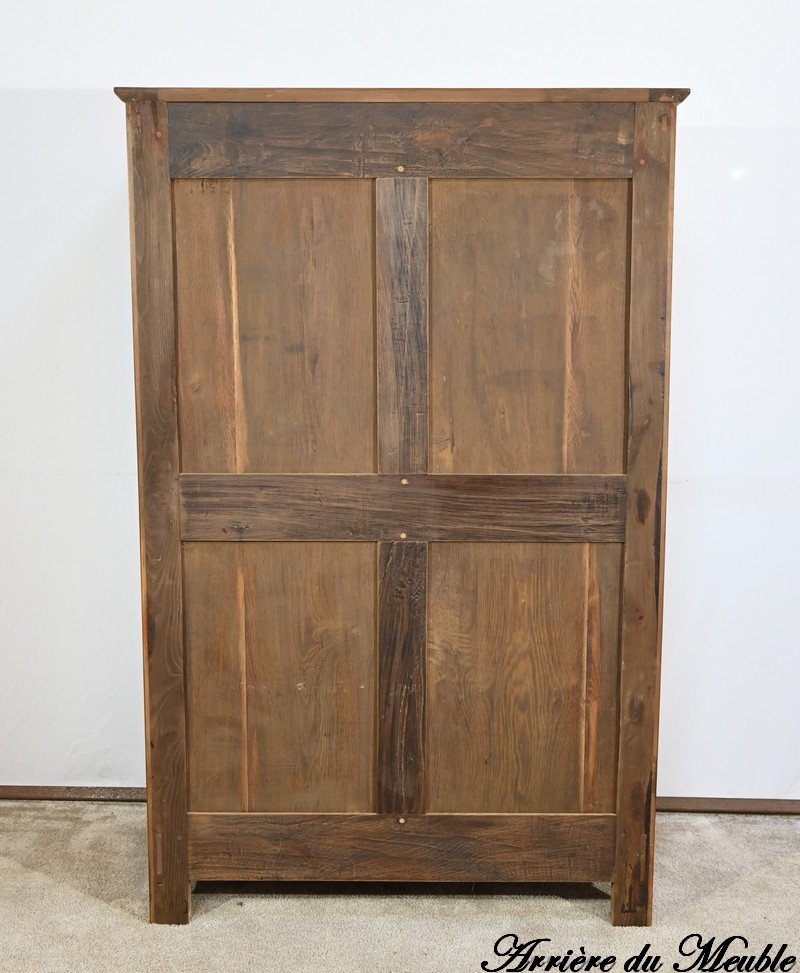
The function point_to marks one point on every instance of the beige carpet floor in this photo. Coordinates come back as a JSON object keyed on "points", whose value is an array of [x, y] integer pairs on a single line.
{"points": [[73, 897]]}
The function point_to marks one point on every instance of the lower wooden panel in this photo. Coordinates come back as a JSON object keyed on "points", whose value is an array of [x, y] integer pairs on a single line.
{"points": [[280, 658], [425, 848], [523, 642]]}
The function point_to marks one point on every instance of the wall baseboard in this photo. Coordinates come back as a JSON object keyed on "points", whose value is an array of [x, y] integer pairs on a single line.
{"points": [[728, 805], [700, 805], [12, 792]]}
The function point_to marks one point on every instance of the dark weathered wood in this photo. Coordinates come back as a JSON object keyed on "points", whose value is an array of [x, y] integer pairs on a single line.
{"points": [[418, 848], [401, 282], [651, 246], [388, 95], [416, 508], [357, 139], [157, 428], [402, 592]]}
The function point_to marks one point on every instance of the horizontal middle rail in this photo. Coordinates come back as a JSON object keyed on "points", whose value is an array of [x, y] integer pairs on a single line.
{"points": [[300, 507]]}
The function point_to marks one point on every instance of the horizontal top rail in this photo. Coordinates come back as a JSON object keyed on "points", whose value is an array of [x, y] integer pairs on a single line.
{"points": [[533, 95]]}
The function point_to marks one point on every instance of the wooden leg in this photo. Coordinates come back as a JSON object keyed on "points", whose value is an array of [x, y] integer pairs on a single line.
{"points": [[170, 890], [632, 884]]}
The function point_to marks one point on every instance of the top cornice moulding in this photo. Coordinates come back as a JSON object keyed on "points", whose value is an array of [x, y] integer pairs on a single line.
{"points": [[400, 95]]}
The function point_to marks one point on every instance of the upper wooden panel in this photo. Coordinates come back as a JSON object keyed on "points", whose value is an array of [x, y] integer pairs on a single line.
{"points": [[357, 139], [380, 95], [527, 332], [275, 305]]}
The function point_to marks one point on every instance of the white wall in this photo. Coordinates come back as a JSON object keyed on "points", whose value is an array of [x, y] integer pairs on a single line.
{"points": [[70, 682]]}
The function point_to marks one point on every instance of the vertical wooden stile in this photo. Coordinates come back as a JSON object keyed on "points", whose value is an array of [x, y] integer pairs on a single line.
{"points": [[401, 245], [157, 429], [401, 248], [640, 653], [402, 586]]}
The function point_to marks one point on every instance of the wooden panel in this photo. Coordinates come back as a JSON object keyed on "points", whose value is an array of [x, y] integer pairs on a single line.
{"points": [[257, 508], [216, 676], [454, 140], [157, 430], [378, 95], [275, 306], [209, 394], [507, 650], [401, 678], [602, 571], [420, 848], [651, 268], [311, 691], [401, 266], [528, 326]]}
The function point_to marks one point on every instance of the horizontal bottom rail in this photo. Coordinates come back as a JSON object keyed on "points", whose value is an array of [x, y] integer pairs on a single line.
{"points": [[417, 848]]}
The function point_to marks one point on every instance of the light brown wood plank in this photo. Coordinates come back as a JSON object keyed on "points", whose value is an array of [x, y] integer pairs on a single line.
{"points": [[651, 268], [418, 848], [157, 430], [311, 664], [416, 508], [528, 288], [603, 564], [506, 633], [207, 326], [216, 677], [401, 270], [445, 140], [303, 254], [402, 588], [381, 95]]}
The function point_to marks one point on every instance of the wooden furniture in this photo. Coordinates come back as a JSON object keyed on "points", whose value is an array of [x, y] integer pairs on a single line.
{"points": [[401, 368]]}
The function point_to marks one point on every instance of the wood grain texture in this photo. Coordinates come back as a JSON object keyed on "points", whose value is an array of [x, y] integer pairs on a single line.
{"points": [[216, 677], [311, 688], [603, 575], [157, 433], [212, 141], [528, 326], [275, 287], [419, 848], [401, 304], [384, 508], [506, 636], [651, 247], [381, 95], [209, 400], [402, 587]]}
